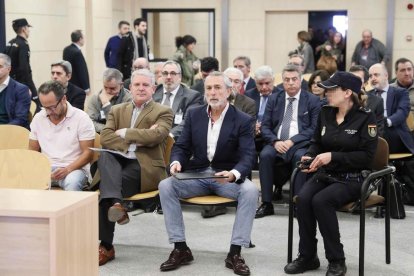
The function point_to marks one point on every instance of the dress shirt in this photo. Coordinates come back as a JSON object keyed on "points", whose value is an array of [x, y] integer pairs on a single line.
{"points": [[294, 128], [172, 97]]}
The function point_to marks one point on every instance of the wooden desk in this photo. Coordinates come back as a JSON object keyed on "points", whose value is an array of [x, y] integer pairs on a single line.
{"points": [[48, 232]]}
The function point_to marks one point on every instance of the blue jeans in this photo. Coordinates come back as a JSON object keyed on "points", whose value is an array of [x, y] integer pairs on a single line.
{"points": [[74, 181], [172, 189]]}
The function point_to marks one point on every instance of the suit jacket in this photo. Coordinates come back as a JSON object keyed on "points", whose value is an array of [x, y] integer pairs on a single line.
{"points": [[245, 104], [398, 106], [308, 112], [376, 105], [80, 75], [184, 99], [250, 84], [199, 86], [17, 103], [235, 145], [76, 96], [150, 142], [255, 95]]}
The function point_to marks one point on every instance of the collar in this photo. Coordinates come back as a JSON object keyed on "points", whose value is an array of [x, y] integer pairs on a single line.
{"points": [[406, 87], [246, 80], [297, 96], [77, 46], [142, 106], [223, 113], [172, 92], [4, 84]]}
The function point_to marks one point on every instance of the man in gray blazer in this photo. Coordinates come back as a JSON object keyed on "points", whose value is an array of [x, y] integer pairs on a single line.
{"points": [[175, 95]]}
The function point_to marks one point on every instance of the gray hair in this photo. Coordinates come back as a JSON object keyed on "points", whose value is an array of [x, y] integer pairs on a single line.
{"points": [[298, 56], [232, 70], [244, 58], [292, 68], [111, 73], [264, 72], [226, 80], [173, 63], [145, 73], [66, 66], [7, 59], [52, 86]]}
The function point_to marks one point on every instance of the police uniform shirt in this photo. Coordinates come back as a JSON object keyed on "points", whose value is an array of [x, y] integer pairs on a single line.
{"points": [[353, 142]]}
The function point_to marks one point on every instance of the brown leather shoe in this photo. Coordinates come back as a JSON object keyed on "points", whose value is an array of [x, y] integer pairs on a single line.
{"points": [[117, 213], [176, 259], [238, 265], [105, 255]]}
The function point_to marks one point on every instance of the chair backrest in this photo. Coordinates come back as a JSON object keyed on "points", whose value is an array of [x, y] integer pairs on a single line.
{"points": [[24, 169], [168, 147], [14, 137], [381, 155], [32, 111], [96, 144], [410, 121]]}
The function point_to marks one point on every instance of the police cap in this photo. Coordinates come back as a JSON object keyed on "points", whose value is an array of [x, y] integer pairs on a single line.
{"points": [[342, 79], [21, 22]]}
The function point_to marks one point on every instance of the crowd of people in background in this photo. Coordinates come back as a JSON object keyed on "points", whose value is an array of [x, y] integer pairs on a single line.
{"points": [[230, 122]]}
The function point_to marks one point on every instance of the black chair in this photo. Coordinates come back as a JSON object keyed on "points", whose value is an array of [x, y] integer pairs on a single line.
{"points": [[382, 173]]}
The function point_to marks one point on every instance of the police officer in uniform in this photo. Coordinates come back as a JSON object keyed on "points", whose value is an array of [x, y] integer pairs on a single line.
{"points": [[19, 51], [344, 143]]}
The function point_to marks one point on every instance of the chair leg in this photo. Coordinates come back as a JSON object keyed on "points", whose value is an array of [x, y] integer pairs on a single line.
{"points": [[390, 181], [362, 236]]}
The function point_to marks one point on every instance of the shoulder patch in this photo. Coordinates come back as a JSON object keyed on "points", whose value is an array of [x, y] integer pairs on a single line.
{"points": [[372, 130]]}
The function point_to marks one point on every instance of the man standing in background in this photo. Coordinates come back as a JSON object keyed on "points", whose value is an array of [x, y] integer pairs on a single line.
{"points": [[369, 51], [73, 54], [112, 47], [19, 51]]}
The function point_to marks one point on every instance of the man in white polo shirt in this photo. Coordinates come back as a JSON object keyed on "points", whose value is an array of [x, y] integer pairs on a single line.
{"points": [[64, 134]]}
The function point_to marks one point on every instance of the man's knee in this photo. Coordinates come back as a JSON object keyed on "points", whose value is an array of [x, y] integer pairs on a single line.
{"points": [[268, 154], [74, 181], [165, 186], [249, 190]]}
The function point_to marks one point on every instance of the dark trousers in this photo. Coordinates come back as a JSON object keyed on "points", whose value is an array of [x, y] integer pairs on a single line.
{"points": [[317, 202], [272, 166], [120, 177], [395, 144]]}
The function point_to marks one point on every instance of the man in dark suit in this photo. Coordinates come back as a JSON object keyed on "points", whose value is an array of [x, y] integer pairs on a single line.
{"points": [[243, 64], [298, 61], [287, 128], [61, 71], [207, 65], [217, 139], [374, 102], [396, 108], [14, 97], [73, 54], [175, 95], [137, 131]]}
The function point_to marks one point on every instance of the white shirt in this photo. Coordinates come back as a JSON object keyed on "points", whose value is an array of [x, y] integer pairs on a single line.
{"points": [[294, 128], [246, 80], [172, 96], [4, 84], [60, 143]]}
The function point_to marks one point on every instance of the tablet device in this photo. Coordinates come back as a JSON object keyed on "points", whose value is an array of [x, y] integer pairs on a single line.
{"points": [[196, 175]]}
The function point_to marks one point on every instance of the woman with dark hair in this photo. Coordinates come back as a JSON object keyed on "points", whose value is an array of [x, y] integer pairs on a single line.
{"points": [[317, 77], [186, 58], [343, 145], [331, 50]]}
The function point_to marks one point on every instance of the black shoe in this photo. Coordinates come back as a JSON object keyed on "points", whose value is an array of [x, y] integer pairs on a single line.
{"points": [[336, 268], [158, 209], [266, 209], [212, 211], [301, 265], [277, 194]]}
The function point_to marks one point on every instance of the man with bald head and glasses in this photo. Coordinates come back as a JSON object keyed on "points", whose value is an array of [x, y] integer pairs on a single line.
{"points": [[174, 94], [64, 134]]}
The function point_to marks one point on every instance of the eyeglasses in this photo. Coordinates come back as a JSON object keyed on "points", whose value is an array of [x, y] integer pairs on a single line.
{"points": [[52, 108], [172, 74]]}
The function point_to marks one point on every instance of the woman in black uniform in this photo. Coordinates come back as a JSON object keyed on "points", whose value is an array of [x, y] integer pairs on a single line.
{"points": [[344, 143]]}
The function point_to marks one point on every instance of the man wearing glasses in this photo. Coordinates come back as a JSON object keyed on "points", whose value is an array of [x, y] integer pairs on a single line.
{"points": [[64, 134], [175, 95], [298, 61]]}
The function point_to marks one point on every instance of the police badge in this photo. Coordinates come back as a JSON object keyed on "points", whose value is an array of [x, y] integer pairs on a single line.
{"points": [[323, 130], [372, 130]]}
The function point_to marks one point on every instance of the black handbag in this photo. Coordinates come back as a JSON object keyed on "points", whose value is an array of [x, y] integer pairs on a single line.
{"points": [[397, 210]]}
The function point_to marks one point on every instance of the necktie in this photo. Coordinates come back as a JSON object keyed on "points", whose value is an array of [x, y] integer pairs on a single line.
{"points": [[284, 133], [242, 90], [167, 99], [262, 107], [379, 92]]}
